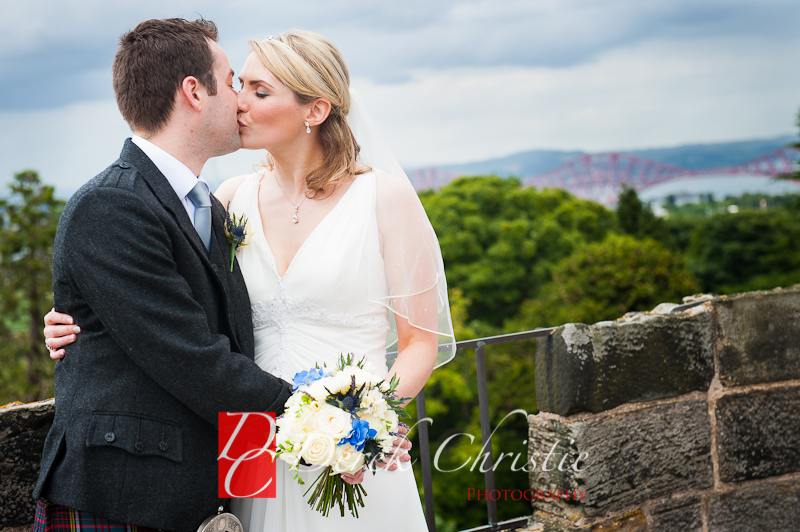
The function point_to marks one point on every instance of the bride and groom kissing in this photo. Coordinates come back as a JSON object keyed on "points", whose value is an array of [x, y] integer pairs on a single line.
{"points": [[173, 330]]}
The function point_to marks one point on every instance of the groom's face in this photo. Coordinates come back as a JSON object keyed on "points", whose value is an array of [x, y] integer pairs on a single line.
{"points": [[221, 119]]}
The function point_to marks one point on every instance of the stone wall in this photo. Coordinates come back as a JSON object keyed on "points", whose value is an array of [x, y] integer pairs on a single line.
{"points": [[682, 421], [688, 421], [23, 429]]}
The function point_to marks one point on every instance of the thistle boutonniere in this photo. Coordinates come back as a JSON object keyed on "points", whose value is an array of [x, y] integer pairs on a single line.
{"points": [[237, 229]]}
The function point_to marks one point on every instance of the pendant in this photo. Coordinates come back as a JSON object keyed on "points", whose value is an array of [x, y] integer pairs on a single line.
{"points": [[294, 218]]}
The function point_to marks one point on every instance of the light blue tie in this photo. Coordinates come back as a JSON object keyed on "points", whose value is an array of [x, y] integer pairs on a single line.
{"points": [[202, 212]]}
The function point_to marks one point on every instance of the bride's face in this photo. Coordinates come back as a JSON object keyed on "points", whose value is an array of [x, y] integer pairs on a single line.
{"points": [[269, 114]]}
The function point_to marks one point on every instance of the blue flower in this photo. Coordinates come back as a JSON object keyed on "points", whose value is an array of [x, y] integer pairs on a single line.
{"points": [[238, 233], [359, 434], [304, 378]]}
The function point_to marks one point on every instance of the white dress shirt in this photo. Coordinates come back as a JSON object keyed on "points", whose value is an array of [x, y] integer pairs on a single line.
{"points": [[181, 179]]}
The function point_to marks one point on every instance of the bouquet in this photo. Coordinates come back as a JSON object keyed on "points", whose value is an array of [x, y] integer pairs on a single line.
{"points": [[339, 421]]}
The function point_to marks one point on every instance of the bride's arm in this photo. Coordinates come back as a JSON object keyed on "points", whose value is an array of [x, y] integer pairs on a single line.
{"points": [[409, 249], [416, 356]]}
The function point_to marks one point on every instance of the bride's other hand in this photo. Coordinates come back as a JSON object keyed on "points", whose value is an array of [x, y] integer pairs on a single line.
{"points": [[59, 330], [400, 450], [358, 478]]}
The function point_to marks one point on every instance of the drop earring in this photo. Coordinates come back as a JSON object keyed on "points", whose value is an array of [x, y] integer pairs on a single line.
{"points": [[308, 129]]}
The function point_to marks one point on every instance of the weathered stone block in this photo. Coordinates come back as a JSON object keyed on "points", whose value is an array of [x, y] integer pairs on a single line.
{"points": [[758, 336], [769, 505], [758, 433], [677, 515], [639, 358], [633, 456], [633, 521], [23, 430]]}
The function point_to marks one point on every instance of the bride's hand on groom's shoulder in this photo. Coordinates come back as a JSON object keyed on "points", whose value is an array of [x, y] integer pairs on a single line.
{"points": [[59, 330]]}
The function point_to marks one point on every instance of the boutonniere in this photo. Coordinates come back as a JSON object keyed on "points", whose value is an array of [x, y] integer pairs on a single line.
{"points": [[237, 229]]}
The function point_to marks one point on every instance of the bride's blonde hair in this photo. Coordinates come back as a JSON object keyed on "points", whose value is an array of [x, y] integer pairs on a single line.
{"points": [[312, 67]]}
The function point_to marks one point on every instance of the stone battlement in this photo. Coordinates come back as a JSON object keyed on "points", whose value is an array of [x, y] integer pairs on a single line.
{"points": [[683, 421], [691, 420]]}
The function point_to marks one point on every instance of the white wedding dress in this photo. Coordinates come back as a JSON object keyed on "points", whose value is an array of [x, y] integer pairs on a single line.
{"points": [[320, 308]]}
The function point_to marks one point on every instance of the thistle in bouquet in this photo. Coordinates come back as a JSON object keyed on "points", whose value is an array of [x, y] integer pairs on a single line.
{"points": [[339, 420]]}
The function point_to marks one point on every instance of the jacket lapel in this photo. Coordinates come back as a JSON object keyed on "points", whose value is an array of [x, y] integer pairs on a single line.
{"points": [[213, 258], [239, 307], [165, 194]]}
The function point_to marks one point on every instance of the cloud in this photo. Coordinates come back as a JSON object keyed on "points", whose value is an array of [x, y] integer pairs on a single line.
{"points": [[448, 81], [656, 94], [67, 146], [659, 93], [65, 42]]}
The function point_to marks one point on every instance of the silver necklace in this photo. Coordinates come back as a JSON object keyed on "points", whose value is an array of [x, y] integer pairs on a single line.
{"points": [[295, 219]]}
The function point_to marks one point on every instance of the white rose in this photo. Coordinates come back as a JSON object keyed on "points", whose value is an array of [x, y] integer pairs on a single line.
{"points": [[317, 389], [286, 433], [334, 422], [347, 460], [318, 449], [294, 400], [306, 422], [362, 376], [340, 383]]}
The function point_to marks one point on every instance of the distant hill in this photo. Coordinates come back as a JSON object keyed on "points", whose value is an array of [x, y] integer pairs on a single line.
{"points": [[697, 156], [692, 156]]}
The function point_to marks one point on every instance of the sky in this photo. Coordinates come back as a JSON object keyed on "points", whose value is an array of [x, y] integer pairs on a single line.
{"points": [[446, 81]]}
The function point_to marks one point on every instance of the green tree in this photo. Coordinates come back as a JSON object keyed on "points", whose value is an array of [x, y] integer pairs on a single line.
{"points": [[605, 280], [452, 403], [28, 221], [636, 218], [794, 176], [500, 241], [748, 250]]}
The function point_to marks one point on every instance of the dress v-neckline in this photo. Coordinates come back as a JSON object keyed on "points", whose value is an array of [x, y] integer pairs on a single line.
{"points": [[311, 234]]}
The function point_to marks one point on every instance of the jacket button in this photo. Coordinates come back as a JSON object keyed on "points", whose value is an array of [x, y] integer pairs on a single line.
{"points": [[124, 165], [110, 437], [163, 446], [138, 446], [214, 267]]}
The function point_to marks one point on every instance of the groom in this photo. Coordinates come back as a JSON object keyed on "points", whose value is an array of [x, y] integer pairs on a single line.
{"points": [[141, 261]]}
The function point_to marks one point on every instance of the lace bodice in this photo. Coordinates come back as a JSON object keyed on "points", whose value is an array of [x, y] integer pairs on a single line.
{"points": [[320, 307]]}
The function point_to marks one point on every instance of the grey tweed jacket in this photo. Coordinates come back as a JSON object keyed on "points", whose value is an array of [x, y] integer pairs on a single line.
{"points": [[166, 344]]}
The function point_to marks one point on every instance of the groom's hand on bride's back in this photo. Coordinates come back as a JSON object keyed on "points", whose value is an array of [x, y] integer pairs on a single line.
{"points": [[59, 330]]}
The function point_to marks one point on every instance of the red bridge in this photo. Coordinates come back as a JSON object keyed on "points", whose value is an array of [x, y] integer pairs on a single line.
{"points": [[601, 176]]}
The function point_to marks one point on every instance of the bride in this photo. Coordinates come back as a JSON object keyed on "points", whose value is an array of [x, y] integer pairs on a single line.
{"points": [[342, 259]]}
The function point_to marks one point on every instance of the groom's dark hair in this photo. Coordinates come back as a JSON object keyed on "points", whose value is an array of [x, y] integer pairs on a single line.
{"points": [[151, 63]]}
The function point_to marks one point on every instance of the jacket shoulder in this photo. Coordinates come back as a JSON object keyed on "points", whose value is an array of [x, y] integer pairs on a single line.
{"points": [[120, 176]]}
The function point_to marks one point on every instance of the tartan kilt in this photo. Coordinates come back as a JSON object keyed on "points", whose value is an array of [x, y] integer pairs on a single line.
{"points": [[52, 517]]}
